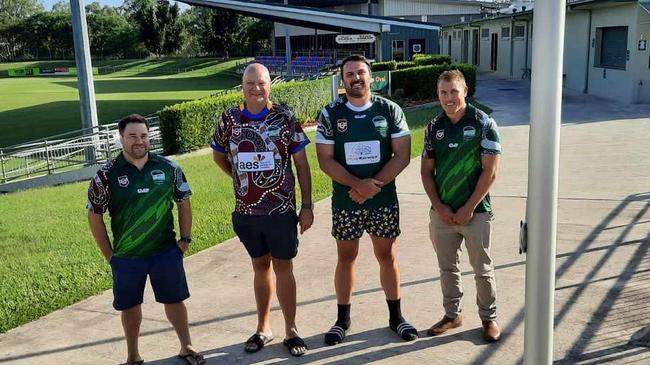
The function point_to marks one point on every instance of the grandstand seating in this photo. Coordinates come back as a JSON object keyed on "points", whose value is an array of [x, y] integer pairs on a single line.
{"points": [[299, 65]]}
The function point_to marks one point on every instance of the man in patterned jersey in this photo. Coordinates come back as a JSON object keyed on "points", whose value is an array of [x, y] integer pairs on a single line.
{"points": [[363, 143], [137, 189], [459, 165], [255, 143]]}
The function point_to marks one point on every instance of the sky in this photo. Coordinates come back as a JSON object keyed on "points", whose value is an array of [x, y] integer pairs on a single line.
{"points": [[47, 4]]}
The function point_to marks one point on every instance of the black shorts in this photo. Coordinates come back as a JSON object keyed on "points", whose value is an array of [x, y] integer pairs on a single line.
{"points": [[276, 234]]}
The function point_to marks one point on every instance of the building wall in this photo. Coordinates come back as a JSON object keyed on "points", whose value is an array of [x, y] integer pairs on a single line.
{"points": [[424, 7], [521, 59], [401, 33], [577, 41], [613, 83], [629, 85], [352, 8], [643, 57]]}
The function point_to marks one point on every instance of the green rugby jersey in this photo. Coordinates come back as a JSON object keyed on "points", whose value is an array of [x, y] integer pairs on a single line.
{"points": [[457, 150], [362, 144], [139, 203]]}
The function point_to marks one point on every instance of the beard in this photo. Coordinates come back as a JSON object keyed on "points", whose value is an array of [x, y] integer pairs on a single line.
{"points": [[354, 92], [138, 152]]}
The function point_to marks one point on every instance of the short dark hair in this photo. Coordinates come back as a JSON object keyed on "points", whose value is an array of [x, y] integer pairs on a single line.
{"points": [[355, 58], [133, 118]]}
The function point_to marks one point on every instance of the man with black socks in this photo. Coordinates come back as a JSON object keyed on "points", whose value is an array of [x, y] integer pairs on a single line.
{"points": [[363, 143]]}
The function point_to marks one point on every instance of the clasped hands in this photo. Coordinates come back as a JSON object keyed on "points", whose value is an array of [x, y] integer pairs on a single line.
{"points": [[462, 216], [365, 189]]}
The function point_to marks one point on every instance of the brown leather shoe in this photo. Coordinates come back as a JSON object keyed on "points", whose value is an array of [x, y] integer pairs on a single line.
{"points": [[444, 325], [491, 332]]}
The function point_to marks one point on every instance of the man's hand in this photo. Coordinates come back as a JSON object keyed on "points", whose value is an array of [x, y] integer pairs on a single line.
{"points": [[182, 245], [463, 215], [368, 188], [445, 213], [305, 219], [356, 197]]}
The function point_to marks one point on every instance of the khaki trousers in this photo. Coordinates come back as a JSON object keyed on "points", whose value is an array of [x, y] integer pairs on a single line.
{"points": [[447, 241]]}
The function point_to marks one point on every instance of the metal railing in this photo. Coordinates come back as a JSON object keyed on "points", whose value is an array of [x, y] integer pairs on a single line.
{"points": [[67, 151]]}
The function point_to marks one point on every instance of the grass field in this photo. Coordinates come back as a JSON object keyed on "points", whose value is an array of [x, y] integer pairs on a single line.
{"points": [[48, 259], [36, 107]]}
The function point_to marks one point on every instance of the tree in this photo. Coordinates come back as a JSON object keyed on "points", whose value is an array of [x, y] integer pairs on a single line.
{"points": [[111, 35], [12, 12]]}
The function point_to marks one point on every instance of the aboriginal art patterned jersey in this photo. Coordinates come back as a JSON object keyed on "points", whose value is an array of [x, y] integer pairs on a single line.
{"points": [[457, 150], [361, 137], [139, 203], [259, 148]]}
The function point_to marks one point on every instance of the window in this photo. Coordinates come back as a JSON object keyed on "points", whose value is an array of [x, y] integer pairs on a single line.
{"points": [[505, 32], [611, 47], [519, 31], [454, 34], [485, 33]]}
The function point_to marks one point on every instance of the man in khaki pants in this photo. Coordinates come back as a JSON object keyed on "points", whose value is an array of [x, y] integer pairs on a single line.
{"points": [[459, 165]]}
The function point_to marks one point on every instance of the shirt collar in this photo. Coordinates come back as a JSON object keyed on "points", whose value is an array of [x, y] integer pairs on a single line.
{"points": [[120, 161]]}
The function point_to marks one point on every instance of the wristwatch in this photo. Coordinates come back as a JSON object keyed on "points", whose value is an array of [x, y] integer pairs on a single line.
{"points": [[187, 240], [307, 206]]}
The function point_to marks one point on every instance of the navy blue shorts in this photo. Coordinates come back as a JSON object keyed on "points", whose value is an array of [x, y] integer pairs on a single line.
{"points": [[276, 234], [165, 272]]}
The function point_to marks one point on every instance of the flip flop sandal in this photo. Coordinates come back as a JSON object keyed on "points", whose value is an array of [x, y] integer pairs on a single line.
{"points": [[192, 358], [293, 343], [259, 340]]}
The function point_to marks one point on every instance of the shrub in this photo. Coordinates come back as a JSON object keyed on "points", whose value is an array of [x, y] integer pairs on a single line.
{"points": [[431, 59], [383, 66], [420, 82], [404, 65], [189, 126]]}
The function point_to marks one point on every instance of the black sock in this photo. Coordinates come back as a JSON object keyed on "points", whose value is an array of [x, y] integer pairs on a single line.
{"points": [[343, 318], [395, 311]]}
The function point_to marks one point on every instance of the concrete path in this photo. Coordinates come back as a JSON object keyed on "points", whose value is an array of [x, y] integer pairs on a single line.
{"points": [[603, 267]]}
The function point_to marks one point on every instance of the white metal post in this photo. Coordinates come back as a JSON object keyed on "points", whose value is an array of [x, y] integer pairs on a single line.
{"points": [[543, 161], [84, 72]]}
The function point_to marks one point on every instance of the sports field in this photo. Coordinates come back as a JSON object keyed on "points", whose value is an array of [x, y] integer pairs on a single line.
{"points": [[37, 107]]}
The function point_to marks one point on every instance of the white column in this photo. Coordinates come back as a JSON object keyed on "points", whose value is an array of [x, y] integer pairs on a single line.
{"points": [[543, 161]]}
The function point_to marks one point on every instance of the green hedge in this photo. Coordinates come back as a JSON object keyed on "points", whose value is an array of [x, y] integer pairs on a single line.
{"points": [[384, 66], [189, 126], [420, 82], [431, 59], [404, 65]]}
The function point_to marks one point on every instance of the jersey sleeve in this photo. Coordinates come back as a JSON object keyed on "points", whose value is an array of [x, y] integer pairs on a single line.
{"points": [[181, 186], [490, 141], [428, 151], [220, 138], [324, 131], [99, 195], [399, 127], [299, 139]]}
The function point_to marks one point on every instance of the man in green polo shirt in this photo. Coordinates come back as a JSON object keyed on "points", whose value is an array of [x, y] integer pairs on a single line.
{"points": [[137, 189], [363, 143], [459, 165]]}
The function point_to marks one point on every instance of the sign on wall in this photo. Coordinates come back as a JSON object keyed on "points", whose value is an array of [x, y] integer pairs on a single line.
{"points": [[355, 38]]}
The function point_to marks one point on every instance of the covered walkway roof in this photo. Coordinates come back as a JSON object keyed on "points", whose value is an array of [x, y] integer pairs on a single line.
{"points": [[312, 17]]}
